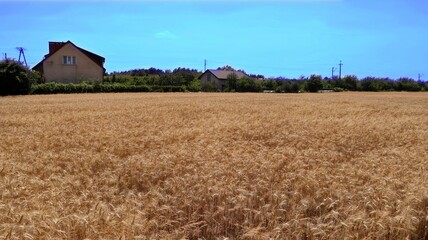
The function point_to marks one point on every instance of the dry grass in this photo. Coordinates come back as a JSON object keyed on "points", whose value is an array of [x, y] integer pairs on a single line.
{"points": [[214, 166]]}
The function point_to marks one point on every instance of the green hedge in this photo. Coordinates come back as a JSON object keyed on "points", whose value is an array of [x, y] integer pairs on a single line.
{"points": [[57, 88]]}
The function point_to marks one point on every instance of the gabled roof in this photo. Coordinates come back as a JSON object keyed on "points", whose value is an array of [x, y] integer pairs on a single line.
{"points": [[222, 74], [58, 45]]}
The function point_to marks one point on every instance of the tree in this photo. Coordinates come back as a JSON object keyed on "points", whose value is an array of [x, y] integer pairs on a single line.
{"points": [[231, 82], [227, 68], [185, 74], [314, 84], [16, 79], [377, 84], [368, 84], [407, 84], [350, 82], [246, 84], [257, 76], [166, 79], [195, 86], [208, 87]]}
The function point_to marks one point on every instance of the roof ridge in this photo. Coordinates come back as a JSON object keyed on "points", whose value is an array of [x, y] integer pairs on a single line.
{"points": [[223, 74], [97, 59]]}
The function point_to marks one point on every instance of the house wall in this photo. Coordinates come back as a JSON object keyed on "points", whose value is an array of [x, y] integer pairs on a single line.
{"points": [[208, 77], [84, 70]]}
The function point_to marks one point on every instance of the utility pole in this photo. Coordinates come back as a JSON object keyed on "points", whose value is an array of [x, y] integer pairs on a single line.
{"points": [[340, 69], [205, 65], [419, 76], [21, 52], [5, 56], [332, 72]]}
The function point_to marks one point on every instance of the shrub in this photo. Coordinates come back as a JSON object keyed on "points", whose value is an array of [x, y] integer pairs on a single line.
{"points": [[350, 83], [289, 87], [208, 87], [314, 84], [246, 84], [56, 88], [338, 89], [377, 84], [15, 79], [269, 85], [231, 82], [407, 84], [195, 86]]}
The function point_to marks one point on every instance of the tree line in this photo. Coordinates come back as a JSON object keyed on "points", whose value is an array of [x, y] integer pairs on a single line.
{"points": [[16, 79], [316, 83], [188, 80]]}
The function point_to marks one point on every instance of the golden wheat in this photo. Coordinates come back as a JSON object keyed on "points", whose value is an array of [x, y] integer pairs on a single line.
{"points": [[214, 166]]}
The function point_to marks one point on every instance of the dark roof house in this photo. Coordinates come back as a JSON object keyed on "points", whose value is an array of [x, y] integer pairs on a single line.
{"points": [[69, 63], [218, 78]]}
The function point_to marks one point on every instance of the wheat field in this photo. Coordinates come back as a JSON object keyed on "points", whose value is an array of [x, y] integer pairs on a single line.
{"points": [[214, 166]]}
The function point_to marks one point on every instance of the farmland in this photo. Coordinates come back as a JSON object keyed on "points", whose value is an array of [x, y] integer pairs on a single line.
{"points": [[214, 165]]}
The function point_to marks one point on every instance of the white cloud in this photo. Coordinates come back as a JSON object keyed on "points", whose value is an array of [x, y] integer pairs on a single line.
{"points": [[166, 35]]}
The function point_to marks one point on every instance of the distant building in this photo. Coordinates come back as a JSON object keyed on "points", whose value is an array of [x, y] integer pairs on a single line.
{"points": [[68, 63], [219, 77]]}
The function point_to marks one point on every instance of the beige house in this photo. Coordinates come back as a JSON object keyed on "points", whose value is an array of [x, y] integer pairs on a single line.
{"points": [[67, 63], [219, 77]]}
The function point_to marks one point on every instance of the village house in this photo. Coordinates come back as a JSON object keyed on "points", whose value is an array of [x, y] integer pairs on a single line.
{"points": [[68, 63], [218, 78]]}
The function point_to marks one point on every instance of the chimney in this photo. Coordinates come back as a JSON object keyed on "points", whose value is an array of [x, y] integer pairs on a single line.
{"points": [[54, 46]]}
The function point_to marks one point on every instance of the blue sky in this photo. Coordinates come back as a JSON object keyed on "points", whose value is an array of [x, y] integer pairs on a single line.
{"points": [[273, 38]]}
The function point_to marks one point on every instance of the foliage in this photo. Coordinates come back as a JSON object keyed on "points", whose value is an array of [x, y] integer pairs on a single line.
{"points": [[407, 84], [338, 89], [195, 86], [256, 76], [377, 84], [247, 84], [169, 88], [186, 79], [230, 68], [185, 75], [156, 77], [208, 87], [16, 79], [314, 84], [231, 82], [349, 83], [141, 72], [269, 84], [226, 68], [55, 88], [288, 86]]}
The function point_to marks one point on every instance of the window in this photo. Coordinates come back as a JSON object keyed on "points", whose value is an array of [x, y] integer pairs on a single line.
{"points": [[69, 60]]}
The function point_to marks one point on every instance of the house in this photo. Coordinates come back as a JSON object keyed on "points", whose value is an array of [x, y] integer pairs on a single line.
{"points": [[218, 78], [68, 63]]}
